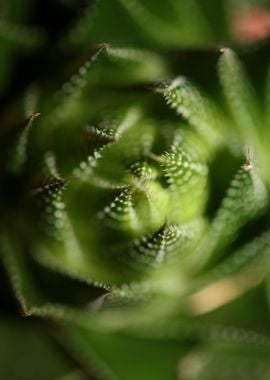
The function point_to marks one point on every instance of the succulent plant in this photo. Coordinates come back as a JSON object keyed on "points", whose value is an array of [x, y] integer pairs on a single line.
{"points": [[134, 202]]}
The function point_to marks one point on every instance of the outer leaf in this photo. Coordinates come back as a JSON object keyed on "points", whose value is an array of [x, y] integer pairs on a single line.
{"points": [[20, 34], [245, 199], [239, 96], [81, 31], [195, 108], [248, 256], [71, 90], [18, 156]]}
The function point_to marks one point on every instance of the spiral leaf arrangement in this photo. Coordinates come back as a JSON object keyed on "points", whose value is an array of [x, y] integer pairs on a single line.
{"points": [[134, 206]]}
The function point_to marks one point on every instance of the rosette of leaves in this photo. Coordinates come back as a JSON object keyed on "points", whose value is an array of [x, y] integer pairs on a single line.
{"points": [[135, 219]]}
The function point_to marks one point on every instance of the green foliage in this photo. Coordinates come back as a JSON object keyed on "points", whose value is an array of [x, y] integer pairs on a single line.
{"points": [[118, 237]]}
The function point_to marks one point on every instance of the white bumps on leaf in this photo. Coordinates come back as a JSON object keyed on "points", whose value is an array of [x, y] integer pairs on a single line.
{"points": [[154, 249], [194, 107], [187, 181], [52, 207], [97, 139], [19, 154], [120, 212], [181, 171], [239, 95], [246, 198], [142, 171], [71, 90]]}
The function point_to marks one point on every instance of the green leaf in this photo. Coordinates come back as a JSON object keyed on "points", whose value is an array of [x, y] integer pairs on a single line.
{"points": [[194, 107], [239, 96], [18, 156], [245, 199], [22, 285], [50, 202], [135, 65], [152, 251], [20, 34], [60, 250], [121, 212], [81, 31], [31, 298], [70, 91], [186, 177], [87, 170], [251, 255]]}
